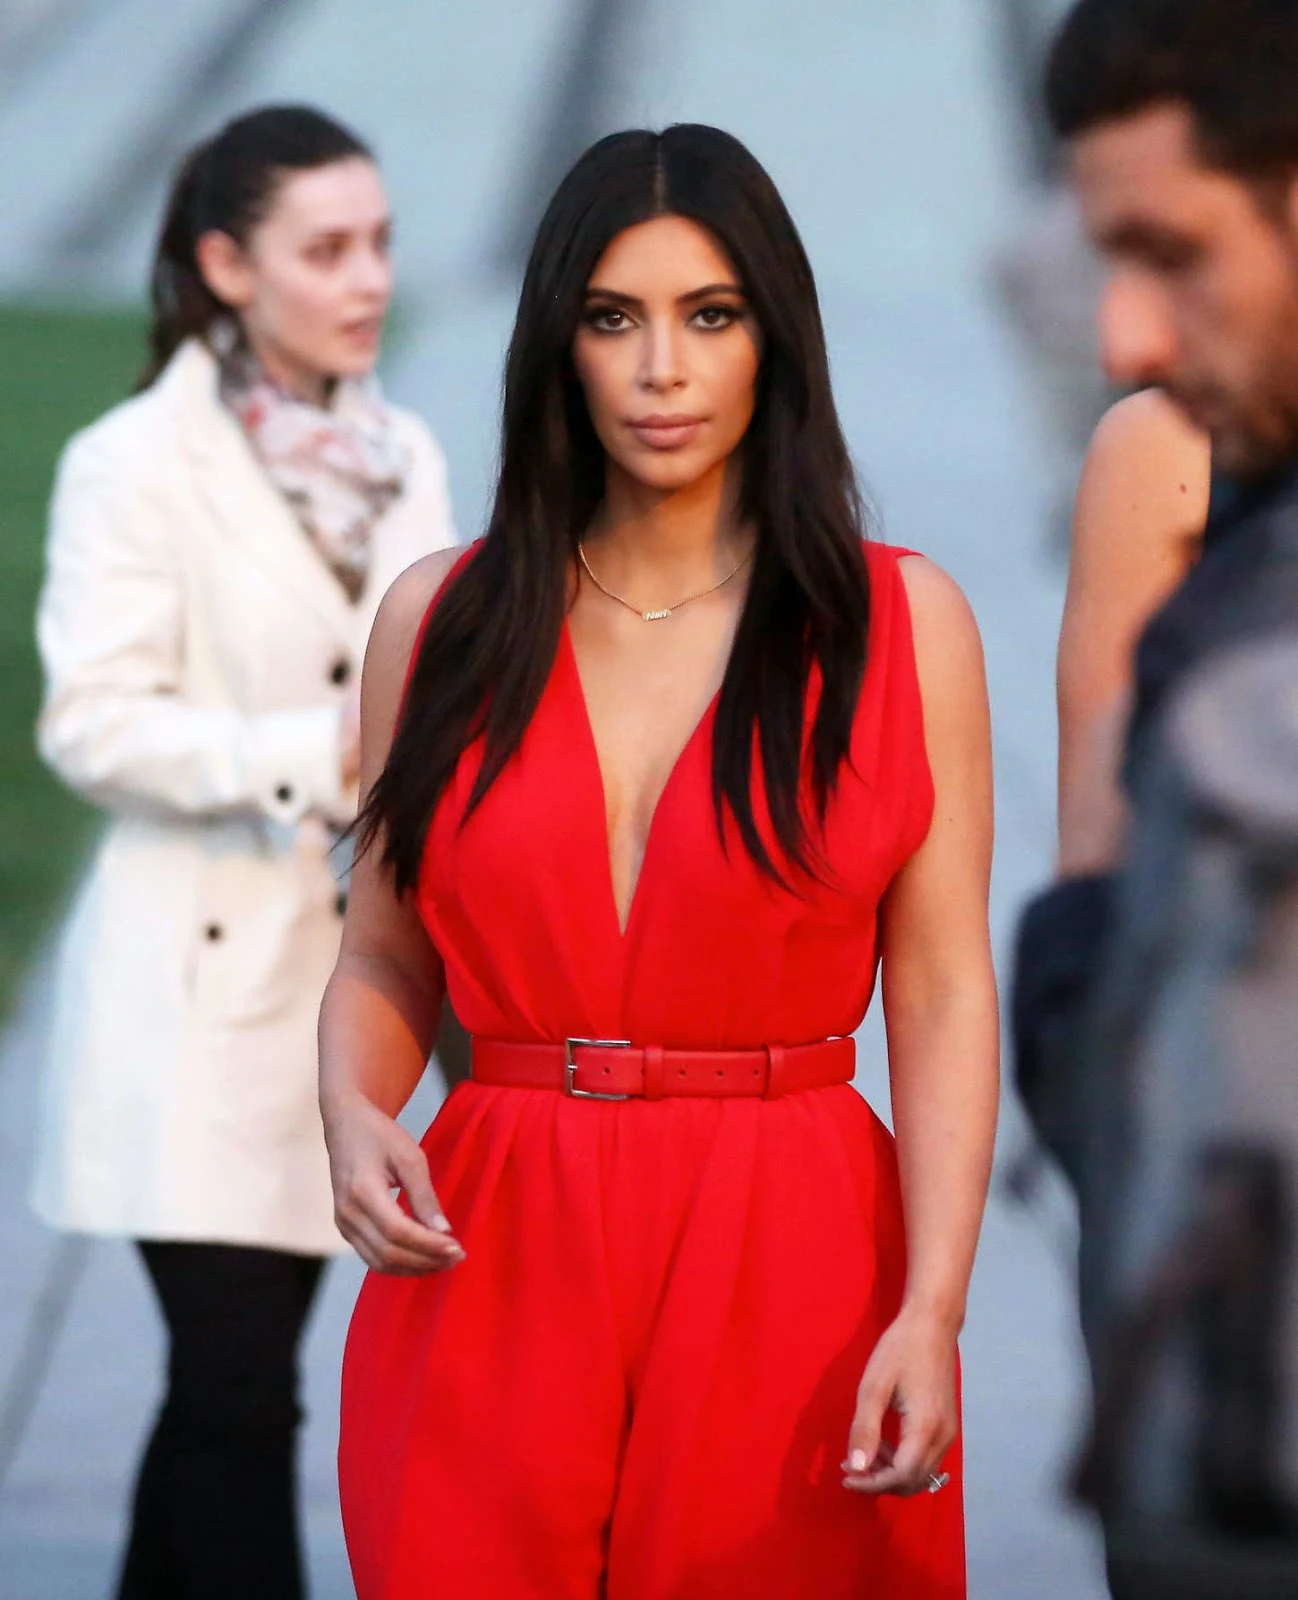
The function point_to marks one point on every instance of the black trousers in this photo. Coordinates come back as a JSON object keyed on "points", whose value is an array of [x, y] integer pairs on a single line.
{"points": [[215, 1512]]}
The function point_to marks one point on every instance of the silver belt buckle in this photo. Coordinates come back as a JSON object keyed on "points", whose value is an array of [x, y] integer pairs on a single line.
{"points": [[570, 1047]]}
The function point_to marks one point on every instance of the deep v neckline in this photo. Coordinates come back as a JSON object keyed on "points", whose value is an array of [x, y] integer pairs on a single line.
{"points": [[623, 928]]}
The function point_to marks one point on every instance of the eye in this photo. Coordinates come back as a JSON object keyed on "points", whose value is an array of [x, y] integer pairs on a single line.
{"points": [[1165, 252], [1173, 258], [325, 252], [713, 318], [608, 319]]}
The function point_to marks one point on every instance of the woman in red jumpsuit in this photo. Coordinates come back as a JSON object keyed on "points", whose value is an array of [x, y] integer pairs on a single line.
{"points": [[659, 772]]}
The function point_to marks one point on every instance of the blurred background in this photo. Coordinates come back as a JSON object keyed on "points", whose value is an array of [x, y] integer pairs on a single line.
{"points": [[905, 138]]}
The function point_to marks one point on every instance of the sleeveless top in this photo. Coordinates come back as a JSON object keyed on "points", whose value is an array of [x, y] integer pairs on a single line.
{"points": [[519, 901]]}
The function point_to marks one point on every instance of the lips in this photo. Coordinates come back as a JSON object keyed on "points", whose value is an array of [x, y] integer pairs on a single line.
{"points": [[666, 432], [364, 331]]}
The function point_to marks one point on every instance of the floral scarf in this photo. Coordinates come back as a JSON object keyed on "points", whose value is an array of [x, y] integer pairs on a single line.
{"points": [[339, 468]]}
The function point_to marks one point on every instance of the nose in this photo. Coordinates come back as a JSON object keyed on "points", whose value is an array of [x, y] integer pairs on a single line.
{"points": [[661, 356], [373, 273], [1137, 336]]}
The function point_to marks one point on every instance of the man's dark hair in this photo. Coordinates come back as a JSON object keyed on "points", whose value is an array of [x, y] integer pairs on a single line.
{"points": [[1234, 63]]}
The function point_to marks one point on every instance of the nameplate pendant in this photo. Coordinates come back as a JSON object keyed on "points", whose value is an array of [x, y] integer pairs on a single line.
{"points": [[655, 616]]}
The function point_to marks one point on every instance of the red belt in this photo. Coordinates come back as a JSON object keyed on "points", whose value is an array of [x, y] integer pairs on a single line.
{"points": [[611, 1069]]}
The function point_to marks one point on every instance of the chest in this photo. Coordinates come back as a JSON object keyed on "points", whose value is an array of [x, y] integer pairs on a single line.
{"points": [[594, 890], [580, 848], [259, 609], [642, 707], [645, 689], [252, 617]]}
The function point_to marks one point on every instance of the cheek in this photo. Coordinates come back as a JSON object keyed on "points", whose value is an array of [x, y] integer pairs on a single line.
{"points": [[300, 303], [1246, 300], [606, 370], [734, 386]]}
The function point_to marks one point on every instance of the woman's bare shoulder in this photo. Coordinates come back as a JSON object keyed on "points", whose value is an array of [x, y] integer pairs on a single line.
{"points": [[948, 646], [936, 600], [1149, 419], [1141, 509], [403, 608], [1148, 460], [401, 615]]}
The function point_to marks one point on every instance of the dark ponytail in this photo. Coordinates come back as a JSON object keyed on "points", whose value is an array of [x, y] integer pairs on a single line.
{"points": [[227, 184]]}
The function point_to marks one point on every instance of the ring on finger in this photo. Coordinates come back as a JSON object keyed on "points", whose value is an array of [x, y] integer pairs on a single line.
{"points": [[937, 1481]]}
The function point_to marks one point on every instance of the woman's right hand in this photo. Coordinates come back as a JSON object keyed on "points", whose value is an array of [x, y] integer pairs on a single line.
{"points": [[369, 1156]]}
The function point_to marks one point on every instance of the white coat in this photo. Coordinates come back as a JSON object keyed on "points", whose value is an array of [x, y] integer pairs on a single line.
{"points": [[197, 651]]}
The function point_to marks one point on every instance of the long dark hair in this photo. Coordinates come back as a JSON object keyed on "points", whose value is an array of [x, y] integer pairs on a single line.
{"points": [[228, 184], [490, 643]]}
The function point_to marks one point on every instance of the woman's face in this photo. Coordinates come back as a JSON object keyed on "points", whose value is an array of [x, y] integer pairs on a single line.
{"points": [[667, 353], [313, 281]]}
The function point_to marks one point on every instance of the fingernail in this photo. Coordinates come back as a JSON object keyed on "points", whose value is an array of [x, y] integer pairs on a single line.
{"points": [[857, 1462], [441, 1224]]}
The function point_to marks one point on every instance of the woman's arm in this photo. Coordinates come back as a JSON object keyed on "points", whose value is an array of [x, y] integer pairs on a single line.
{"points": [[939, 993], [1141, 508], [380, 1011], [115, 724]]}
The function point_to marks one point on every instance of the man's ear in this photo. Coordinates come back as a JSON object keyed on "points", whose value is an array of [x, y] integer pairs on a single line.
{"points": [[225, 268]]}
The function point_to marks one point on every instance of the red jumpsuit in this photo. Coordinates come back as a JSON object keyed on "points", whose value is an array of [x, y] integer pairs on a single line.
{"points": [[639, 1384]]}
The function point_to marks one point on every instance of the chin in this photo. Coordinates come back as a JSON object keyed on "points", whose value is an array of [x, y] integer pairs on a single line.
{"points": [[667, 474], [347, 359], [352, 365]]}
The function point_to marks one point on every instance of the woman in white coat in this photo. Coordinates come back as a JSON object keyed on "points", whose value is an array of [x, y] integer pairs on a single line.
{"points": [[218, 548]]}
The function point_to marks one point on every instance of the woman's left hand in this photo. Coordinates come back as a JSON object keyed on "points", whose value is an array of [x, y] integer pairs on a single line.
{"points": [[912, 1372]]}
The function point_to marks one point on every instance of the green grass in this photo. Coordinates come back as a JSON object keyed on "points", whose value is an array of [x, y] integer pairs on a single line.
{"points": [[58, 370]]}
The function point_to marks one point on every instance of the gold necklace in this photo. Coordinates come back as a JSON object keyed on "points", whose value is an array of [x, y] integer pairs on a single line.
{"points": [[665, 611]]}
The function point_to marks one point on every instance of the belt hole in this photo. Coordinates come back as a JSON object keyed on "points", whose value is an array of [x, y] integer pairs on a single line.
{"points": [[606, 1072], [681, 1073], [721, 1072]]}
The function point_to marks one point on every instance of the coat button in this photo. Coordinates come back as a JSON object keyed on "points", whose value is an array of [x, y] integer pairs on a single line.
{"points": [[214, 932], [340, 671], [284, 793]]}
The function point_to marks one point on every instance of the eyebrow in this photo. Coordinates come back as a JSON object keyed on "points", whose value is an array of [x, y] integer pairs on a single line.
{"points": [[346, 233], [1133, 234], [705, 293]]}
